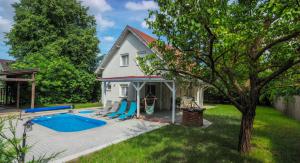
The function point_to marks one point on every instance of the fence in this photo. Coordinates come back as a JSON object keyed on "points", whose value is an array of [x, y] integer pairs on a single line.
{"points": [[6, 96], [289, 106]]}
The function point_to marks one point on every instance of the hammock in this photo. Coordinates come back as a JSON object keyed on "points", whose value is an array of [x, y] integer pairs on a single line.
{"points": [[150, 108]]}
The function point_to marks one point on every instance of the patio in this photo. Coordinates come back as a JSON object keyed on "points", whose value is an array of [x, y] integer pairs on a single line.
{"points": [[45, 141]]}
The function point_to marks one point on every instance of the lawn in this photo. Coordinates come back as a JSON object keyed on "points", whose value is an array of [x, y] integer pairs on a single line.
{"points": [[276, 138]]}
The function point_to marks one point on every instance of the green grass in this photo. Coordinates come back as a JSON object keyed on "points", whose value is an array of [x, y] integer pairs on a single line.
{"points": [[276, 138], [87, 105]]}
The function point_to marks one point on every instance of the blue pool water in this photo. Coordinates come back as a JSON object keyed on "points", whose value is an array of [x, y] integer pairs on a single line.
{"points": [[68, 122], [86, 111]]}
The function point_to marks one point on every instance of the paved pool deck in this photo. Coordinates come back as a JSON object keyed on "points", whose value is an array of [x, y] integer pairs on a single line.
{"points": [[45, 141]]}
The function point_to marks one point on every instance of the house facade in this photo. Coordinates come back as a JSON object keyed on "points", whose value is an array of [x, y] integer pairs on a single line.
{"points": [[120, 73]]}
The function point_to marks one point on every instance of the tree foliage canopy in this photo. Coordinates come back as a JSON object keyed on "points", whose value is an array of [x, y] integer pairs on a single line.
{"points": [[59, 38], [237, 46], [39, 23], [227, 43]]}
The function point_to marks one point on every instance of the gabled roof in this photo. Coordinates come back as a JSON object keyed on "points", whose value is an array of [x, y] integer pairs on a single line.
{"points": [[143, 37], [5, 64]]}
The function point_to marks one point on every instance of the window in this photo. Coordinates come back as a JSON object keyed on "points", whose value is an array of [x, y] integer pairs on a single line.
{"points": [[123, 90], [124, 60], [108, 87]]}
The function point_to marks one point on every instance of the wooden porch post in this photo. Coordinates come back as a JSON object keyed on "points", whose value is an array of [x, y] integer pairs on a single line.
{"points": [[200, 96], [138, 100], [32, 90], [138, 88], [103, 93], [18, 95], [160, 97], [173, 90], [173, 102]]}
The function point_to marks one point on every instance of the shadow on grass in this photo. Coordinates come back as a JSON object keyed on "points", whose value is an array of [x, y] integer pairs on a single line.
{"points": [[276, 138], [193, 144]]}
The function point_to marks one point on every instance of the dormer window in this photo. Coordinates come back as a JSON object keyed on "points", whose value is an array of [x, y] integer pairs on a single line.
{"points": [[124, 61]]}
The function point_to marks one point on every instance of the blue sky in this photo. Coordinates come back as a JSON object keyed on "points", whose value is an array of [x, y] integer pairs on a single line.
{"points": [[111, 15]]}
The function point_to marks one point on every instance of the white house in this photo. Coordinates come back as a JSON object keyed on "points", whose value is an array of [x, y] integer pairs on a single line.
{"points": [[122, 77]]}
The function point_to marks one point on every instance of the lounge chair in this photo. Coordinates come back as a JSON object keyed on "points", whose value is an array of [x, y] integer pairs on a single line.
{"points": [[106, 109], [121, 110], [130, 113], [114, 108]]}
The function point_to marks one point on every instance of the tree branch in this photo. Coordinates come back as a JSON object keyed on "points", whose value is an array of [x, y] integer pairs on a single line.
{"points": [[231, 98], [278, 41], [285, 67]]}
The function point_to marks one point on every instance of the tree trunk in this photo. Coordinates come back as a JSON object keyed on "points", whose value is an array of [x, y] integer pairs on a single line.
{"points": [[246, 127]]}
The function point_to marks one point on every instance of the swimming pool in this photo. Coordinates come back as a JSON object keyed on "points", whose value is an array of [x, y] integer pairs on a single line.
{"points": [[68, 122]]}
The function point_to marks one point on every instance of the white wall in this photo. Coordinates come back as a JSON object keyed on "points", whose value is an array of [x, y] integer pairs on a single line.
{"points": [[130, 45]]}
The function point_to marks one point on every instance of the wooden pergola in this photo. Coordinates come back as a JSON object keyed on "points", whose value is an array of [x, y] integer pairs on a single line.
{"points": [[19, 76], [138, 83]]}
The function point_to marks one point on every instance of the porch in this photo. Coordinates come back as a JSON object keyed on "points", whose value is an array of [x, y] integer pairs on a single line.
{"points": [[138, 82], [13, 84], [163, 90]]}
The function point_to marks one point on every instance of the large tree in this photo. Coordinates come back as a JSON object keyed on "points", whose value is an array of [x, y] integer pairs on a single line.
{"points": [[38, 23], [59, 38], [236, 46]]}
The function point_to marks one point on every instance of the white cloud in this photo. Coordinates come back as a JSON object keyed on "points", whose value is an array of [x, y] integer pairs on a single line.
{"points": [[144, 5], [97, 5], [144, 24], [108, 38], [5, 24], [97, 8], [104, 23]]}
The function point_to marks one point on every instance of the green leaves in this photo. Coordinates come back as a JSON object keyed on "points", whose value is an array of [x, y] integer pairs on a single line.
{"points": [[58, 80], [227, 44], [62, 22], [59, 38]]}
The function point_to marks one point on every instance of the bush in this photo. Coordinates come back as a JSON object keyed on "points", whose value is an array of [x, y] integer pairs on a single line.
{"points": [[58, 81]]}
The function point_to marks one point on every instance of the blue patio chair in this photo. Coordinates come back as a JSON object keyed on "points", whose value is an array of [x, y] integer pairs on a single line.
{"points": [[130, 113], [121, 110]]}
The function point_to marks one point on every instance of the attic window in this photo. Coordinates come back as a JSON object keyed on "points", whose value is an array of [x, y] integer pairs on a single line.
{"points": [[124, 61]]}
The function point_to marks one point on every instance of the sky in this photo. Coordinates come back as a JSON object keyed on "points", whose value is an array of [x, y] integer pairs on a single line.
{"points": [[111, 16]]}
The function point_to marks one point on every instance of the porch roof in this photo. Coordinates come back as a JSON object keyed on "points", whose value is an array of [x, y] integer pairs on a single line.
{"points": [[152, 78], [19, 72]]}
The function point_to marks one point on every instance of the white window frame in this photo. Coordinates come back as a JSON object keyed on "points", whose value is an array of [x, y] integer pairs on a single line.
{"points": [[121, 60], [120, 90], [107, 88]]}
